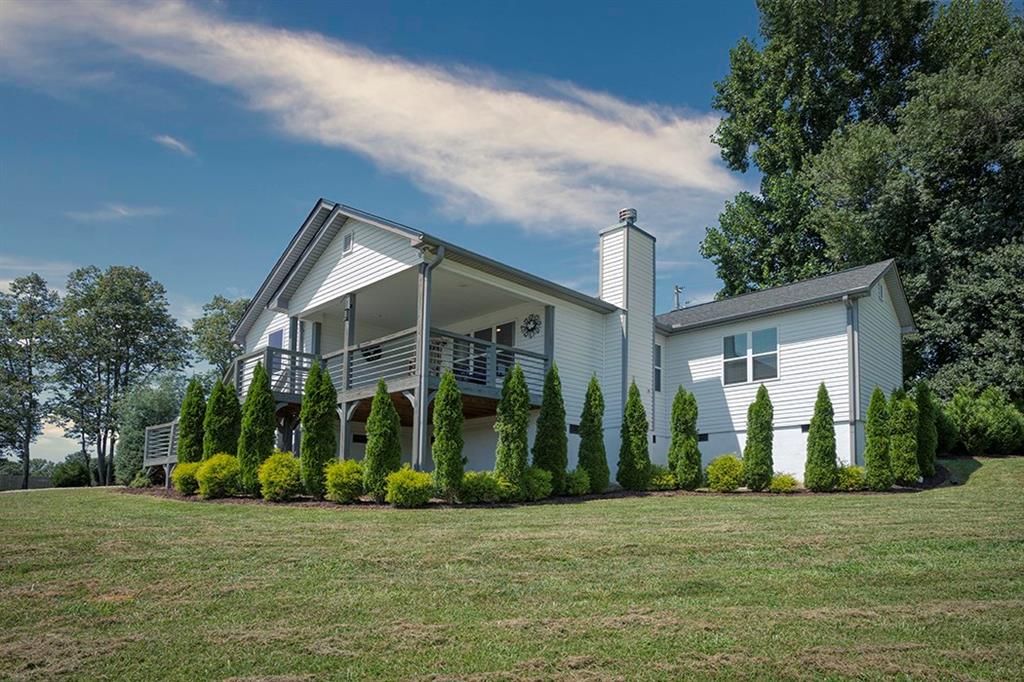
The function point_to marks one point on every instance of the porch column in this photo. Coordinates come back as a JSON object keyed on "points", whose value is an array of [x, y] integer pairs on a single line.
{"points": [[419, 404], [342, 429], [348, 339]]}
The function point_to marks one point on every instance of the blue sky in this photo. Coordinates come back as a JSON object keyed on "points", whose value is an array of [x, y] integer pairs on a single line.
{"points": [[190, 139]]}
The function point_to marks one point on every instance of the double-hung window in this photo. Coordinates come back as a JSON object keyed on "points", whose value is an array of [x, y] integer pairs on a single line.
{"points": [[750, 357], [657, 367]]}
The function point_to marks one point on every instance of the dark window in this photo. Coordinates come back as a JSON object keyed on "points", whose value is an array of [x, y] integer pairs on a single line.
{"points": [[654, 438], [657, 367], [275, 340], [574, 428], [358, 437], [804, 428], [702, 437]]}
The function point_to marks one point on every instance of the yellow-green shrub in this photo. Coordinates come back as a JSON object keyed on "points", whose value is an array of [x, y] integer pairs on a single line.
{"points": [[183, 477], [661, 479], [725, 474], [480, 487], [218, 476], [407, 488], [577, 482], [782, 484], [344, 481], [537, 484], [280, 477], [851, 478]]}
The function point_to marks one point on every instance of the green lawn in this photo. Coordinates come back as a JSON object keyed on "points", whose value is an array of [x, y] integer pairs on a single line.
{"points": [[102, 584]]}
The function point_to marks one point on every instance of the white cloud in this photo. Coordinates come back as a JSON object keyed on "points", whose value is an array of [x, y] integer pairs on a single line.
{"points": [[55, 272], [550, 156], [174, 144], [113, 212]]}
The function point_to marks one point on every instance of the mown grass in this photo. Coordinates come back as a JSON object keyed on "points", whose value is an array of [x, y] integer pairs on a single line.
{"points": [[101, 584]]}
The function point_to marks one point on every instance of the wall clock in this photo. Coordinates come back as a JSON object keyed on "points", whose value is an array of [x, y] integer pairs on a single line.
{"points": [[531, 325]]}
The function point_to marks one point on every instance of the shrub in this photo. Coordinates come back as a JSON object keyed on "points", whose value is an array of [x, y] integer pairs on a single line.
{"points": [[141, 480], [537, 484], [782, 484], [987, 423], [344, 481], [383, 447], [319, 442], [190, 424], [634, 457], [662, 478], [592, 456], [820, 472], [927, 428], [551, 442], [757, 453], [877, 470], [577, 482], [851, 478], [480, 487], [903, 440], [513, 418], [72, 473], [183, 477], [725, 474], [407, 488], [449, 464], [218, 476], [279, 477], [683, 452], [949, 435], [222, 422], [259, 424]]}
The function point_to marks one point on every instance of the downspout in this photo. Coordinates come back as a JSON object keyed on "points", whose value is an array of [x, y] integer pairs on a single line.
{"points": [[422, 358]]}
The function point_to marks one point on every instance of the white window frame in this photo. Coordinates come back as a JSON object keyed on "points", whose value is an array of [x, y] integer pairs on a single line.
{"points": [[750, 355], [659, 361], [350, 237]]}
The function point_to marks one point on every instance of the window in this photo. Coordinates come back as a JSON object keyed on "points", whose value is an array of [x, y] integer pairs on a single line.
{"points": [[657, 367], [881, 292], [702, 437], [574, 428], [758, 360], [347, 242], [275, 340]]}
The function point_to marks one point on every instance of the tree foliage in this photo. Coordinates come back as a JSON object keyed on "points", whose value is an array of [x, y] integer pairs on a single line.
{"points": [[211, 333], [154, 402], [551, 443], [449, 464], [634, 470], [383, 444], [511, 424], [757, 452], [258, 431], [877, 469], [190, 423], [592, 457], [223, 421], [683, 451], [927, 428], [319, 440], [903, 439], [821, 472]]}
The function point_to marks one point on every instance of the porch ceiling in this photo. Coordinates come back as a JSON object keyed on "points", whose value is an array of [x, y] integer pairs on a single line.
{"points": [[473, 407]]}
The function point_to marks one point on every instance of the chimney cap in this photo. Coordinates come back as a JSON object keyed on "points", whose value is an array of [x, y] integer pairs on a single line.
{"points": [[627, 215]]}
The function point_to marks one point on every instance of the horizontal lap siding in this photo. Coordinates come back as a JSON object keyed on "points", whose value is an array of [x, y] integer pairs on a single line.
{"points": [[376, 255], [881, 350], [579, 353], [612, 270], [812, 348], [267, 323]]}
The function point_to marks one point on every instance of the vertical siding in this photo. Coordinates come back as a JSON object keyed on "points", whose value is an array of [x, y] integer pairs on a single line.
{"points": [[376, 255], [881, 349], [612, 258]]}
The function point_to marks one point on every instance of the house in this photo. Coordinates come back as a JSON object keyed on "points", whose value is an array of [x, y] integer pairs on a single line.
{"points": [[370, 299]]}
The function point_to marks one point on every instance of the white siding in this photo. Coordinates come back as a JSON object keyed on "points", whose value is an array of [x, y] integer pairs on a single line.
{"points": [[579, 354], [376, 255], [640, 316], [267, 323], [881, 350], [611, 286]]}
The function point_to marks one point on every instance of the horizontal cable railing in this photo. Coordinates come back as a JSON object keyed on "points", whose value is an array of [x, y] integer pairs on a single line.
{"points": [[161, 444]]}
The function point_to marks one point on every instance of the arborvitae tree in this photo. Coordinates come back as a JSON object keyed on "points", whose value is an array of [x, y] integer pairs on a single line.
{"points": [[449, 464], [513, 419], [683, 452], [820, 470], [927, 428], [383, 443], [877, 471], [222, 423], [190, 423], [592, 457], [551, 444], [757, 454], [319, 441], [903, 440], [256, 441], [634, 472]]}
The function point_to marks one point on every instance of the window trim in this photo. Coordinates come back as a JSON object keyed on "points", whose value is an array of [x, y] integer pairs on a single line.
{"points": [[749, 357], [659, 362]]}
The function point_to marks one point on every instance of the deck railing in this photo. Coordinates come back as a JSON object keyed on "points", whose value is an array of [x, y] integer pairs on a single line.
{"points": [[286, 369], [161, 444]]}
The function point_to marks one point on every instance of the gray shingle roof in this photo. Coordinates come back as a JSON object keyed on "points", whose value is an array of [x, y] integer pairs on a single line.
{"points": [[853, 282]]}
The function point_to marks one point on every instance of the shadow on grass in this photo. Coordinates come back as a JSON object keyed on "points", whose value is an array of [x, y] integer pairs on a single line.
{"points": [[960, 468]]}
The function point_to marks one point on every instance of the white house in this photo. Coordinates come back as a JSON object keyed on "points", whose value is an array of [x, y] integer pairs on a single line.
{"points": [[371, 299]]}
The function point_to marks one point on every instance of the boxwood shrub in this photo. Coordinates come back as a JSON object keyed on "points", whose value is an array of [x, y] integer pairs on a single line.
{"points": [[183, 477], [407, 488], [537, 484], [661, 479], [344, 481], [218, 476], [782, 484], [280, 477], [725, 474], [480, 487], [851, 478], [577, 482]]}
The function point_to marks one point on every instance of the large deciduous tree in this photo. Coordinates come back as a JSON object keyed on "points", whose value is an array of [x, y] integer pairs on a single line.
{"points": [[27, 330], [211, 333], [153, 402]]}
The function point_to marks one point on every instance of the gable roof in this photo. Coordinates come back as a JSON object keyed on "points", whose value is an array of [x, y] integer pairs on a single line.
{"points": [[854, 282]]}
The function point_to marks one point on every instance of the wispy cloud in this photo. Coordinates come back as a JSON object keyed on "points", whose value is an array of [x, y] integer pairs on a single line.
{"points": [[174, 144], [114, 212], [55, 272], [550, 156]]}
